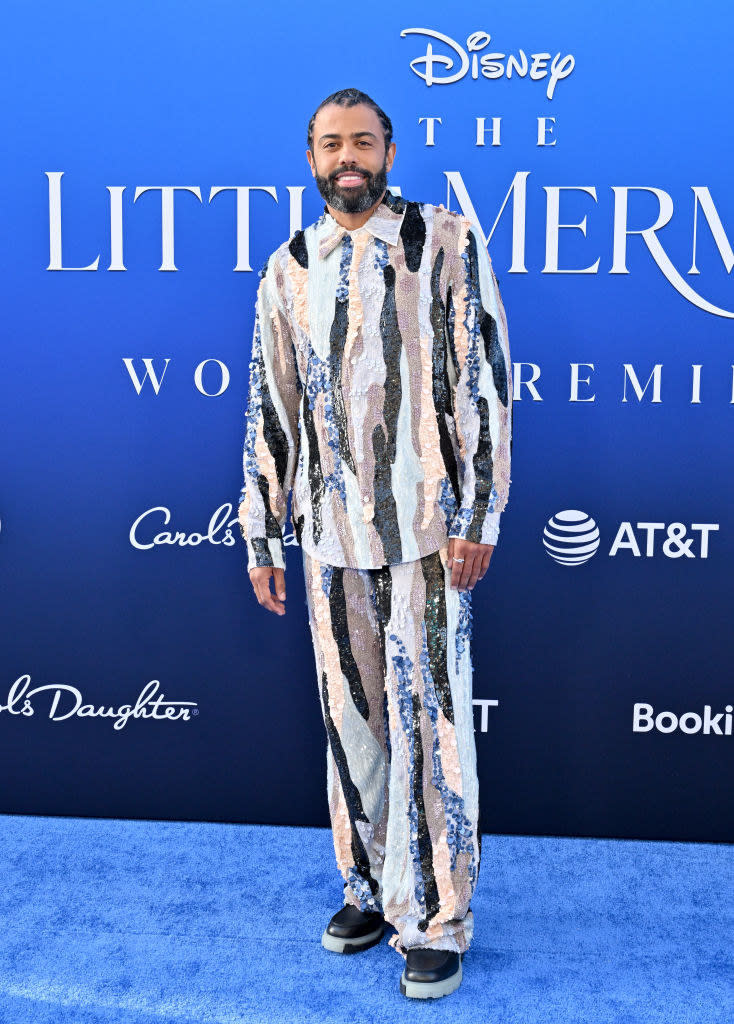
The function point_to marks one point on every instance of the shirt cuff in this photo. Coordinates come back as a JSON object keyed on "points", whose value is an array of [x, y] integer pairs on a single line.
{"points": [[490, 526], [265, 551]]}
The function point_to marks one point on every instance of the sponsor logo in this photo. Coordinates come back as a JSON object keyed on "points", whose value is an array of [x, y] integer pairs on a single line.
{"points": [[144, 532], [677, 544], [571, 537], [644, 719], [222, 528], [66, 702]]}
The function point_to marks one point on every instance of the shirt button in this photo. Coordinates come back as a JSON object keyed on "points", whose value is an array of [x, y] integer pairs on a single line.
{"points": [[365, 497], [353, 360]]}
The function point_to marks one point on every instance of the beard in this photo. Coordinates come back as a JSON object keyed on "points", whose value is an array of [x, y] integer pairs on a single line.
{"points": [[353, 200]]}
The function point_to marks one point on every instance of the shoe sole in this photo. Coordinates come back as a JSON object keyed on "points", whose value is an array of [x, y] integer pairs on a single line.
{"points": [[337, 945], [430, 989]]}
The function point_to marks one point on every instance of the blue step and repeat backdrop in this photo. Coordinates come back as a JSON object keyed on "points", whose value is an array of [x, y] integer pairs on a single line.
{"points": [[155, 157]]}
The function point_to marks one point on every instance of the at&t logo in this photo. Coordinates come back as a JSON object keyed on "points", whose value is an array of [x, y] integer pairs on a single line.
{"points": [[571, 537]]}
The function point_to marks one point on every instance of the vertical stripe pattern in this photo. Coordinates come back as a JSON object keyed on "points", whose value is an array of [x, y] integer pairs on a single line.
{"points": [[380, 391], [393, 660]]}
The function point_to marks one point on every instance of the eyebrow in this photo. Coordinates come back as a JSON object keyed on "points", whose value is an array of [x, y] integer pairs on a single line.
{"points": [[354, 135]]}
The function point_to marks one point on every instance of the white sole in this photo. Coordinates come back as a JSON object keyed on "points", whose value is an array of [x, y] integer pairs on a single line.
{"points": [[430, 989], [337, 945]]}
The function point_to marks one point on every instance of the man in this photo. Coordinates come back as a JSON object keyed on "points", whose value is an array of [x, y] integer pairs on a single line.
{"points": [[380, 391]]}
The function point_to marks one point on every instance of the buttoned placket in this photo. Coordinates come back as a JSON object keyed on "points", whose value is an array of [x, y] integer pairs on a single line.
{"points": [[360, 241]]}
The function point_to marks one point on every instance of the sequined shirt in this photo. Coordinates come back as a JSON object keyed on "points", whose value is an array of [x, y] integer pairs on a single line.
{"points": [[380, 391]]}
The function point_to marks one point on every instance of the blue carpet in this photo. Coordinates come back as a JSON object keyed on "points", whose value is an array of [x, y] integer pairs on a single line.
{"points": [[137, 922]]}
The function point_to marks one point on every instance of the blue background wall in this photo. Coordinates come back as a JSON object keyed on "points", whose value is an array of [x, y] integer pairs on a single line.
{"points": [[219, 94]]}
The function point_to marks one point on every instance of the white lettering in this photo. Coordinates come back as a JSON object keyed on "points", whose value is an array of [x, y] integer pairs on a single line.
{"points": [[430, 121], [242, 202], [544, 130], [54, 225], [649, 236], [629, 371], [625, 531], [642, 718], [694, 719], [666, 721], [485, 705], [702, 194], [518, 382], [575, 380], [490, 63], [144, 707], [675, 546], [651, 528], [518, 190], [481, 131], [224, 379], [149, 373], [705, 529], [690, 722], [168, 193], [116, 262], [553, 227], [216, 524]]}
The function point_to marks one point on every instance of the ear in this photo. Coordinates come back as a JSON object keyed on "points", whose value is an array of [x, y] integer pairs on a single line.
{"points": [[312, 165], [390, 155]]}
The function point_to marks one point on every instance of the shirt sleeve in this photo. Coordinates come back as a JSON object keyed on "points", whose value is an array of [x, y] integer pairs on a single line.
{"points": [[483, 391], [271, 436]]}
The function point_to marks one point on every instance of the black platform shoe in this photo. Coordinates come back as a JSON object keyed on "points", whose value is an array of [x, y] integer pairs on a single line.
{"points": [[352, 930], [430, 973]]}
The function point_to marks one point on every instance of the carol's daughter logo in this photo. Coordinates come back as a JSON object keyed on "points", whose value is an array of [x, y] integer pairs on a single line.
{"points": [[66, 702], [488, 65]]}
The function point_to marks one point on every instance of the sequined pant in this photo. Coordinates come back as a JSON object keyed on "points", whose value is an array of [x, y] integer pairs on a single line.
{"points": [[394, 670]]}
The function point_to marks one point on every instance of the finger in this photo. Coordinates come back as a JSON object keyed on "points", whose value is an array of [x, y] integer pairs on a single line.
{"points": [[474, 572], [456, 568], [279, 577], [485, 564], [467, 569], [272, 602], [261, 585]]}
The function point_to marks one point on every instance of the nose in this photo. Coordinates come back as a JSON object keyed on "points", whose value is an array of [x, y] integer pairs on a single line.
{"points": [[350, 157]]}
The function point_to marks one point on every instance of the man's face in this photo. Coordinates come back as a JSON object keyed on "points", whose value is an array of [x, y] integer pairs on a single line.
{"points": [[349, 161]]}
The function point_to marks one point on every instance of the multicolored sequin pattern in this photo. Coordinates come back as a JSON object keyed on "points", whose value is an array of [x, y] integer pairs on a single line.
{"points": [[393, 659], [380, 391]]}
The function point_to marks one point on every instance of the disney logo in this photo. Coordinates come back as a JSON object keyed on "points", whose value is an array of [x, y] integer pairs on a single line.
{"points": [[172, 710], [489, 65]]}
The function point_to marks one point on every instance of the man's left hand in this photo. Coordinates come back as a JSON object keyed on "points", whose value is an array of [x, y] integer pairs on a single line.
{"points": [[476, 562]]}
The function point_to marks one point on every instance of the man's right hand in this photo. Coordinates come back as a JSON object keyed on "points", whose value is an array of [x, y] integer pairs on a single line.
{"points": [[260, 579]]}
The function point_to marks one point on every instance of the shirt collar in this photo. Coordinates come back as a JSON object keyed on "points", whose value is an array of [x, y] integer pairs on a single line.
{"points": [[385, 223]]}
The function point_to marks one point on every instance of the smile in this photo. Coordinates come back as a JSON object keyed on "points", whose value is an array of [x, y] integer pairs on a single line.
{"points": [[350, 180]]}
